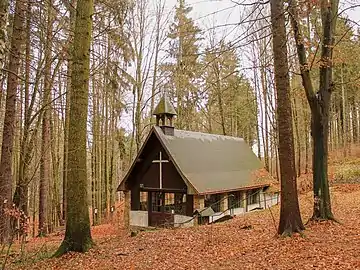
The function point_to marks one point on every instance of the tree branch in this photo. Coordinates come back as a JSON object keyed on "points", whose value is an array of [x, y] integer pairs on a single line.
{"points": [[301, 52]]}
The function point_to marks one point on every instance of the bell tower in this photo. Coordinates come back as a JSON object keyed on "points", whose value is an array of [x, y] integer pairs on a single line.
{"points": [[165, 113]]}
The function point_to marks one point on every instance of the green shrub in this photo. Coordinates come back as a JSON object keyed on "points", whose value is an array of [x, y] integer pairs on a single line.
{"points": [[347, 173]]}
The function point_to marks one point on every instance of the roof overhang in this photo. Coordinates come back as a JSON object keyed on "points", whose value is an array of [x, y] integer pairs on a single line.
{"points": [[122, 186], [235, 189]]}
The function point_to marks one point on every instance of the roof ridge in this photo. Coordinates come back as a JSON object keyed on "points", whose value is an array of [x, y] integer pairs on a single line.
{"points": [[210, 134]]}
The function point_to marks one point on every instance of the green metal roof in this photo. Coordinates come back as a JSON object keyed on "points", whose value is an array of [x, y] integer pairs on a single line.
{"points": [[164, 107], [213, 163]]}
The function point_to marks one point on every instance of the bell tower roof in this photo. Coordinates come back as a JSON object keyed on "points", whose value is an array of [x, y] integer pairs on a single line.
{"points": [[164, 107], [165, 113]]}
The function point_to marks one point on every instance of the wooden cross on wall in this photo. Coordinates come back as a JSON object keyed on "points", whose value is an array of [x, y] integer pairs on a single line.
{"points": [[160, 161]]}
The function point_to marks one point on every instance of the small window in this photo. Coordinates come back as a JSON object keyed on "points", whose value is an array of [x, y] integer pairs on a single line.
{"points": [[236, 200], [169, 202], [253, 196], [213, 201], [143, 201]]}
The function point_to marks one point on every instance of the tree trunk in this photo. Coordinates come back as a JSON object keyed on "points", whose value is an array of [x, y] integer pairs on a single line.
{"points": [[138, 91], [290, 219], [77, 234], [265, 130], [113, 160], [319, 103], [354, 120], [344, 113], [26, 144], [45, 144], [67, 109], [219, 97], [320, 117], [338, 106], [6, 163], [66, 142], [105, 133], [258, 107], [298, 140], [306, 137], [319, 133], [56, 132], [159, 10]]}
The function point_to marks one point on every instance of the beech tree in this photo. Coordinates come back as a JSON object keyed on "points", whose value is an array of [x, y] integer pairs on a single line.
{"points": [[319, 101], [45, 145], [290, 219], [71, 9], [6, 176], [77, 233]]}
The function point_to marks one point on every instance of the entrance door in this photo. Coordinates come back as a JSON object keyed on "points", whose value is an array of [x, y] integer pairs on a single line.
{"points": [[157, 214]]}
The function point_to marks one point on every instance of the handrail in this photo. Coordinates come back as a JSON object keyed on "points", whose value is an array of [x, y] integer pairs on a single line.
{"points": [[219, 213], [241, 200], [198, 213]]}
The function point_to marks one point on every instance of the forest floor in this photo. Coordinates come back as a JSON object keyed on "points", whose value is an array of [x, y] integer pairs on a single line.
{"points": [[246, 242]]}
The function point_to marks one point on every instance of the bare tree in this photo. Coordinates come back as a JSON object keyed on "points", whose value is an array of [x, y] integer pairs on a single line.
{"points": [[45, 145], [290, 219], [77, 234], [6, 177], [319, 101]]}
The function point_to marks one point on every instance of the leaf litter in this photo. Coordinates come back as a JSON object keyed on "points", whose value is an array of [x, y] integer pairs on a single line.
{"points": [[245, 242]]}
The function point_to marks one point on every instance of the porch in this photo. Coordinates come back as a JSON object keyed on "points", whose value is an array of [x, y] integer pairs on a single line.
{"points": [[162, 208]]}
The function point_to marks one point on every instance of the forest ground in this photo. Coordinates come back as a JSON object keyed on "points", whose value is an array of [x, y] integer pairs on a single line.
{"points": [[246, 242]]}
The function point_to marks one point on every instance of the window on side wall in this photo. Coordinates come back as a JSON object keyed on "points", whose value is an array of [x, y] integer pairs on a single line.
{"points": [[143, 201], [253, 196]]}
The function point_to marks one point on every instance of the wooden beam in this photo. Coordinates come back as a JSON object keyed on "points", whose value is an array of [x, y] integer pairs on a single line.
{"points": [[165, 190]]}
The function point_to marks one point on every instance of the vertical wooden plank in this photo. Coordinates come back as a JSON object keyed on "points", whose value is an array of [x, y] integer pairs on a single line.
{"points": [[244, 199], [264, 199], [149, 206], [135, 198], [189, 205], [127, 209]]}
